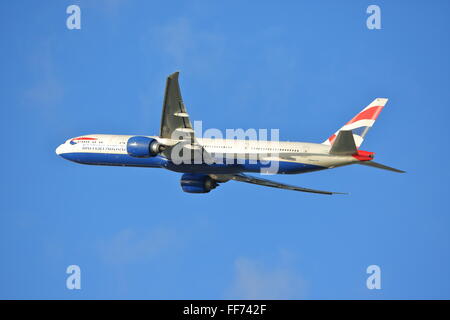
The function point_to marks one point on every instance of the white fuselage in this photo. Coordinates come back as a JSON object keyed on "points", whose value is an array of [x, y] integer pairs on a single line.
{"points": [[293, 157]]}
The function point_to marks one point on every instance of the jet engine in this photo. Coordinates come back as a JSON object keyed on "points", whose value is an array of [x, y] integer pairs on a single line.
{"points": [[143, 147], [197, 183]]}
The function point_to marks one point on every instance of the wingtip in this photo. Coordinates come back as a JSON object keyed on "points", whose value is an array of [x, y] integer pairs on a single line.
{"points": [[174, 75]]}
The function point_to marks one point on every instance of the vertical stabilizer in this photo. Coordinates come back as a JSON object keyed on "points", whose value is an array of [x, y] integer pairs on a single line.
{"points": [[361, 123]]}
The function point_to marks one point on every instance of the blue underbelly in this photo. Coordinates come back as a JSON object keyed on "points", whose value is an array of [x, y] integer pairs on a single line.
{"points": [[281, 167], [111, 159], [114, 159]]}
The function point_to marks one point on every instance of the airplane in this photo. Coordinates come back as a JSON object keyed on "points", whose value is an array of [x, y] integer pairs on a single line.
{"points": [[208, 162]]}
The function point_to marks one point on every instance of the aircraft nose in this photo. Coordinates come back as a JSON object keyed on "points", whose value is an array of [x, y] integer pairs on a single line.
{"points": [[59, 149]]}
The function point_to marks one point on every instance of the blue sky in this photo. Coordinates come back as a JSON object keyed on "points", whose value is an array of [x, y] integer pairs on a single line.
{"points": [[305, 67]]}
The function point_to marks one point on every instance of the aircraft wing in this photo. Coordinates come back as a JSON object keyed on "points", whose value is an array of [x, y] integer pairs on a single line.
{"points": [[268, 183], [176, 126], [174, 115]]}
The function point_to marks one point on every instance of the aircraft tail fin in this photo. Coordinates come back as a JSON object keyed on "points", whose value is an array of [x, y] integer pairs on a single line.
{"points": [[360, 124]]}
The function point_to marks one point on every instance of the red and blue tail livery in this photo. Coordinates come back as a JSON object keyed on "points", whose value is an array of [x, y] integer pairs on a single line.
{"points": [[362, 122]]}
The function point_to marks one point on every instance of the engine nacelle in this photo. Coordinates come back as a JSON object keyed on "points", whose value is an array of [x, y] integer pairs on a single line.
{"points": [[143, 147], [197, 183]]}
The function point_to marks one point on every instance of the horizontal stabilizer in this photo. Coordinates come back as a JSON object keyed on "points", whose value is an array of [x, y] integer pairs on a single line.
{"points": [[344, 144], [379, 166]]}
